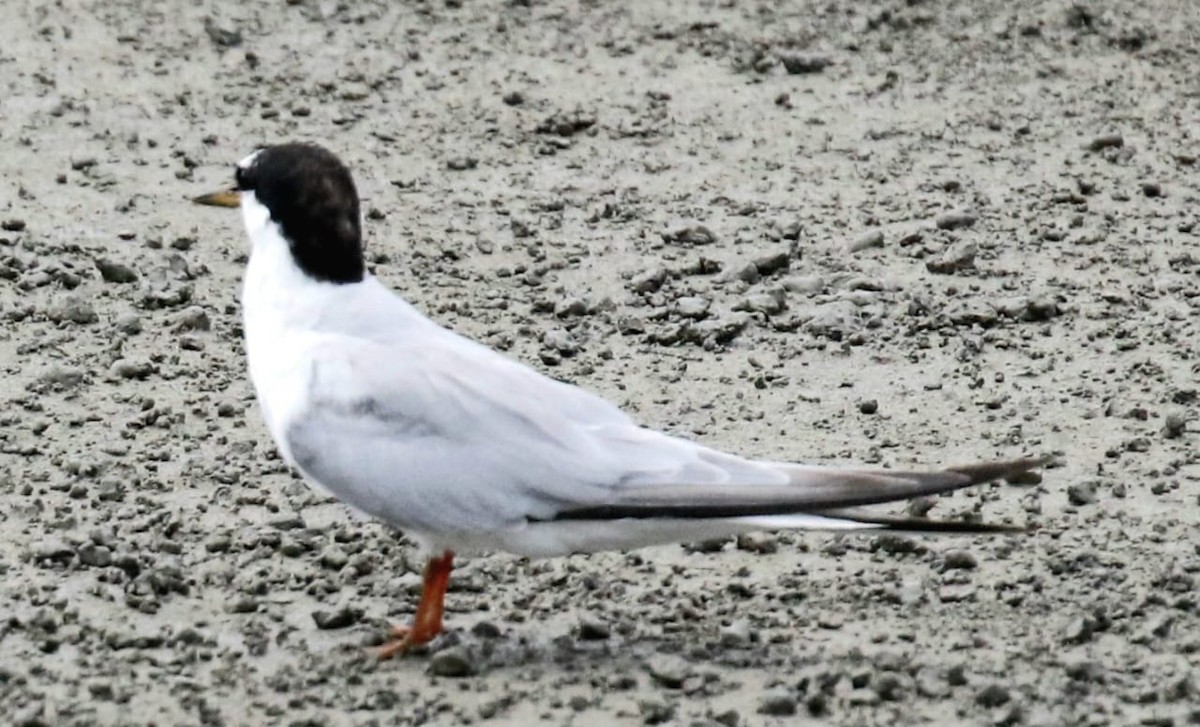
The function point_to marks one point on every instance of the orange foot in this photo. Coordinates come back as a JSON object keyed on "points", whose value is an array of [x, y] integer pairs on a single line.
{"points": [[428, 622]]}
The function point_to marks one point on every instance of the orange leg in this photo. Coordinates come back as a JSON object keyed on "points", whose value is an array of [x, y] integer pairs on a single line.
{"points": [[428, 621]]}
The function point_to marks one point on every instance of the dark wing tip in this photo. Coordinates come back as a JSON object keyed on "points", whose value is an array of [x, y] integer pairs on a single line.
{"points": [[981, 472]]}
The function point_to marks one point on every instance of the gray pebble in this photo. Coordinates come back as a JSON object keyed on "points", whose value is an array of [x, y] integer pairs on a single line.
{"points": [[768, 303], [868, 406], [74, 309], [649, 281], [736, 635], [1174, 425], [655, 710], [593, 628], [692, 307], [797, 64], [869, 240], [1106, 141], [1082, 493], [63, 377], [115, 272], [130, 323], [337, 619], [808, 284], [772, 263], [956, 259], [959, 560], [124, 368], [668, 670], [956, 220], [689, 234], [761, 543], [570, 307], [992, 695], [453, 662], [561, 341], [192, 318], [777, 702]]}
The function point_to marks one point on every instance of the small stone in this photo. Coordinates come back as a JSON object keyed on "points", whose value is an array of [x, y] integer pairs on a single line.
{"points": [[777, 703], [74, 309], [956, 220], [124, 368], [649, 281], [689, 234], [461, 163], [13, 225], [956, 259], [1174, 425], [570, 307], [798, 64], [959, 560], [513, 98], [772, 263], [1152, 189], [130, 324], [1107, 141], [992, 695], [115, 272], [561, 341], [63, 377], [656, 710], [192, 318], [593, 628], [1082, 493], [869, 240], [692, 307], [761, 543], [96, 556], [338, 619], [486, 630], [453, 662], [736, 635], [808, 284], [668, 671], [868, 406], [767, 303]]}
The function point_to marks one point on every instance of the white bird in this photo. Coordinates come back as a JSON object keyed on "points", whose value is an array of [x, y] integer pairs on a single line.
{"points": [[465, 449]]}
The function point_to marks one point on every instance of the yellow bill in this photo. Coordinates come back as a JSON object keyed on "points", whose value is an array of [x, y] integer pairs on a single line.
{"points": [[225, 198]]}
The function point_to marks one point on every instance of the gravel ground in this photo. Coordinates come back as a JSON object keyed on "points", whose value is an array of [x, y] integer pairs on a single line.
{"points": [[903, 232]]}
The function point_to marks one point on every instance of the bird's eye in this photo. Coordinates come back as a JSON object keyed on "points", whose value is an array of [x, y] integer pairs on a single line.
{"points": [[242, 179]]}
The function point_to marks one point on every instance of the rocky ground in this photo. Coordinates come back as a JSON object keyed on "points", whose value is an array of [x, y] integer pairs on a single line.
{"points": [[895, 233]]}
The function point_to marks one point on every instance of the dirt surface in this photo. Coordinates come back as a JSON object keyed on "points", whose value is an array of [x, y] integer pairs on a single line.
{"points": [[894, 233]]}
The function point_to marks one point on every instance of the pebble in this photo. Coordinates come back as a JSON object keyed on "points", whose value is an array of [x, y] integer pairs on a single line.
{"points": [[689, 234], [736, 634], [1174, 425], [115, 272], [1106, 141], [761, 543], [130, 323], [593, 628], [777, 702], [560, 340], [768, 303], [668, 670], [337, 619], [956, 220], [63, 377], [1082, 493], [868, 406], [869, 240], [772, 262], [13, 225], [798, 64], [649, 281], [959, 560], [74, 309], [655, 710], [955, 259], [992, 695], [692, 307], [453, 662], [807, 284], [192, 318], [124, 368]]}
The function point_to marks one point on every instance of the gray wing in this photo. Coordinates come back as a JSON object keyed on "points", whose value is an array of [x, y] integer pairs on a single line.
{"points": [[446, 436]]}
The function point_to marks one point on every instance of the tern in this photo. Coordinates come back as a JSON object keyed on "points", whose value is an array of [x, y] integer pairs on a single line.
{"points": [[467, 450]]}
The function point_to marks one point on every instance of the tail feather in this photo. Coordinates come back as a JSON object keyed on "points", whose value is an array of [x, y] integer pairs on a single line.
{"points": [[811, 490]]}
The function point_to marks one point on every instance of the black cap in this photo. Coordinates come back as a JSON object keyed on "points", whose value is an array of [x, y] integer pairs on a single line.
{"points": [[311, 196]]}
